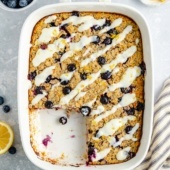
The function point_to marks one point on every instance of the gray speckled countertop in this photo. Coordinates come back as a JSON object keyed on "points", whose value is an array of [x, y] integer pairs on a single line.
{"points": [[10, 25]]}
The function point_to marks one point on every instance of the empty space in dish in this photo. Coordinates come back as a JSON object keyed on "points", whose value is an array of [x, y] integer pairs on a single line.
{"points": [[64, 143]]}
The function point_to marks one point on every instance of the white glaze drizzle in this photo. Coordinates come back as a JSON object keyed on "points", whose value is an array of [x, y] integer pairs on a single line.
{"points": [[116, 70], [101, 154], [127, 79], [126, 100], [47, 34], [38, 97], [137, 41], [86, 52], [120, 58], [40, 78], [85, 21], [115, 41], [99, 110], [54, 86], [112, 126], [50, 19], [42, 55], [129, 136], [123, 154], [114, 24], [80, 95], [66, 76], [77, 46]]}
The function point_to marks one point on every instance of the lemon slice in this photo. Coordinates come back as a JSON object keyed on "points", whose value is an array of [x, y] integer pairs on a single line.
{"points": [[6, 137]]}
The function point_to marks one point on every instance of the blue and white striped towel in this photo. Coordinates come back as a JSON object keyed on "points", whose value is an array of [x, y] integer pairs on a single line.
{"points": [[158, 157]]}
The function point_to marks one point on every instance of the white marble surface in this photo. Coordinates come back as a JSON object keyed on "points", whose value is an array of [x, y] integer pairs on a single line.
{"points": [[10, 25]]}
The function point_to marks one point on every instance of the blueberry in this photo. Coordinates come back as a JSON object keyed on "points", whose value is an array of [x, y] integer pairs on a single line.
{"points": [[83, 76], [96, 27], [71, 67], [4, 2], [140, 106], [66, 90], [64, 36], [63, 120], [65, 82], [101, 60], [91, 152], [63, 27], [43, 46], [119, 99], [112, 31], [38, 90], [104, 99], [128, 129], [23, 3], [12, 3], [1, 100], [143, 68], [12, 150], [97, 40], [107, 23], [48, 104], [116, 137], [107, 75], [32, 75], [56, 60], [107, 41], [132, 154], [52, 24], [130, 111], [6, 108], [126, 90], [75, 13], [48, 79], [85, 110]]}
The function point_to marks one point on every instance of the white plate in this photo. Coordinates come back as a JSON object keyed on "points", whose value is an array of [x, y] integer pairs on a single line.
{"points": [[23, 85]]}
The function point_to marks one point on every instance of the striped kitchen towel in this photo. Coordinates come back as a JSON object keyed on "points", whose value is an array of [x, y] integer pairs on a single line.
{"points": [[158, 157]]}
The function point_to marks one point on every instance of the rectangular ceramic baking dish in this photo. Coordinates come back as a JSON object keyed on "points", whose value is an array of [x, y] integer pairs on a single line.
{"points": [[23, 84]]}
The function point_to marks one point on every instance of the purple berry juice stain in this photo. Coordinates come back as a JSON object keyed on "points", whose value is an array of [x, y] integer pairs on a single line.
{"points": [[46, 140]]}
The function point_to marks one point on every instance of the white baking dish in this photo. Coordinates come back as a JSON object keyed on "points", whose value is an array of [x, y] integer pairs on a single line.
{"points": [[23, 82]]}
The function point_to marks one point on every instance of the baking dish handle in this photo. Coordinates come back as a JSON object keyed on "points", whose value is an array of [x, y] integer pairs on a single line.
{"points": [[72, 0]]}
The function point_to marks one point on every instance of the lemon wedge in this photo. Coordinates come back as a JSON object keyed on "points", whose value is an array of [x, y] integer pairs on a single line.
{"points": [[6, 137]]}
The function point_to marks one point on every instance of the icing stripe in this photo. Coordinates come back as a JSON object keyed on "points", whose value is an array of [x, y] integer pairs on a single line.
{"points": [[100, 155], [50, 19], [41, 78], [127, 79], [85, 21], [78, 46], [99, 110], [115, 23], [47, 34], [123, 154], [127, 99], [38, 97], [126, 137], [115, 41], [112, 126]]}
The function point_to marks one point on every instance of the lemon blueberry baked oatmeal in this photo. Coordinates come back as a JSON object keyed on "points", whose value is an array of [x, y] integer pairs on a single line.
{"points": [[92, 63]]}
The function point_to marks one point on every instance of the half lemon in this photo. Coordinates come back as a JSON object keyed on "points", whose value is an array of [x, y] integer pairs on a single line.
{"points": [[6, 137]]}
